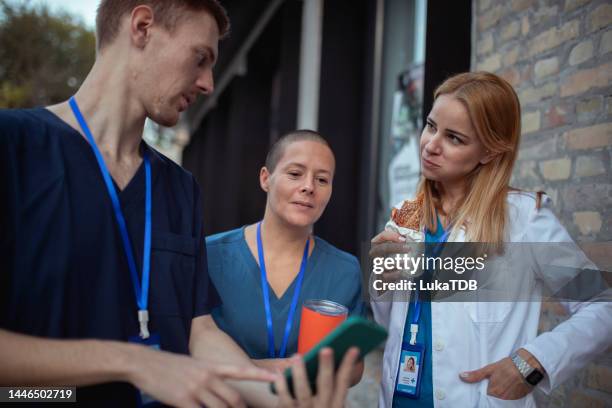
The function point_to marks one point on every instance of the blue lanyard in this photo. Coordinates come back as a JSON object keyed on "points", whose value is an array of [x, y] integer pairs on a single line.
{"points": [[266, 295], [416, 305], [141, 292]]}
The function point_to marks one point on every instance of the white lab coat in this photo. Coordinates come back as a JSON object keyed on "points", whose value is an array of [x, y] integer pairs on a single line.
{"points": [[469, 335]]}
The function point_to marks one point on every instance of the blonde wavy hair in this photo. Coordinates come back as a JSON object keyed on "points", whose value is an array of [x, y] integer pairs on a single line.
{"points": [[495, 112]]}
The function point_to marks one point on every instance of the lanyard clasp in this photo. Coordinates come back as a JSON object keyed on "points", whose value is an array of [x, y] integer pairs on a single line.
{"points": [[143, 320]]}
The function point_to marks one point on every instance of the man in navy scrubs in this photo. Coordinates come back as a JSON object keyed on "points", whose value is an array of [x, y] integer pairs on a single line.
{"points": [[101, 236], [102, 256]]}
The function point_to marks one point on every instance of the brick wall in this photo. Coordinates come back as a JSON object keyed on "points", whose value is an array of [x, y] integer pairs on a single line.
{"points": [[558, 56]]}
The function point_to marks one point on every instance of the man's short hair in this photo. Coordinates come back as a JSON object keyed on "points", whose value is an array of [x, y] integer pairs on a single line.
{"points": [[167, 13]]}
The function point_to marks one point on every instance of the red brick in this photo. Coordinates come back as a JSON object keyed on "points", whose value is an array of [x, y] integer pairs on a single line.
{"points": [[530, 122], [572, 4], [533, 95], [589, 165], [555, 116], [556, 169], [490, 18], [510, 56], [580, 399], [485, 44], [605, 45], [588, 109], [510, 30], [492, 63], [546, 67], [586, 79], [527, 73], [589, 223], [600, 17], [581, 53], [512, 76], [585, 197], [554, 37], [544, 15], [537, 148], [525, 25], [590, 137], [599, 378], [483, 5], [519, 5]]}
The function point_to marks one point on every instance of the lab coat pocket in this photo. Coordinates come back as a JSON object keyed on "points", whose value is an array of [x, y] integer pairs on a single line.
{"points": [[493, 402], [488, 312], [495, 287]]}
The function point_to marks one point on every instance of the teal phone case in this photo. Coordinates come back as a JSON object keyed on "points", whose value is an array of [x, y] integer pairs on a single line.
{"points": [[354, 332]]}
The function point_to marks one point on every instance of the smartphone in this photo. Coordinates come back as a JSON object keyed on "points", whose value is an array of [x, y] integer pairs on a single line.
{"points": [[353, 332]]}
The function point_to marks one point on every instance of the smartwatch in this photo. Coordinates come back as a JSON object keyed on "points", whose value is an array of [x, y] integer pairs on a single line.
{"points": [[531, 375]]}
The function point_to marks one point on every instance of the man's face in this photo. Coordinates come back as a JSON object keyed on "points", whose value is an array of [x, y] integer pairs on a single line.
{"points": [[177, 66]]}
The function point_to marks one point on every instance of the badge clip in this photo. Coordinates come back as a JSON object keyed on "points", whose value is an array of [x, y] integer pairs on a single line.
{"points": [[414, 329], [143, 319]]}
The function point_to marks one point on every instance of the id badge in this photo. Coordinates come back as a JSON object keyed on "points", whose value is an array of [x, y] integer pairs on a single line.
{"points": [[409, 373], [154, 341]]}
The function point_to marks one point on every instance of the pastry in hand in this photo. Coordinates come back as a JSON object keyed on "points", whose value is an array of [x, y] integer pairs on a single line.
{"points": [[406, 220]]}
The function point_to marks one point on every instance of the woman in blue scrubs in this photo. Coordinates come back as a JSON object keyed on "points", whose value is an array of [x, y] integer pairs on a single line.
{"points": [[297, 265]]}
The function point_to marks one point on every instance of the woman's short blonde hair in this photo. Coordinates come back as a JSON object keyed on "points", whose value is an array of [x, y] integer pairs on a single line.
{"points": [[278, 148]]}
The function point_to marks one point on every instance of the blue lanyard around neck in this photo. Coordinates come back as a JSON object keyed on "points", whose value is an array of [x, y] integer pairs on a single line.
{"points": [[416, 305], [141, 292], [266, 295]]}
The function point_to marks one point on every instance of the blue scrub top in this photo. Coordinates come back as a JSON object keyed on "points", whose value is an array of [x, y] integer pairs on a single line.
{"points": [[330, 274], [64, 272], [423, 337]]}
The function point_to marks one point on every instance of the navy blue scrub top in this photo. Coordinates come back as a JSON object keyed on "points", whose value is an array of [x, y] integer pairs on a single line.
{"points": [[64, 273], [330, 274]]}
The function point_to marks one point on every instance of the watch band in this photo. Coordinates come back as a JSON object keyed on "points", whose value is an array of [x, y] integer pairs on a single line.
{"points": [[531, 375]]}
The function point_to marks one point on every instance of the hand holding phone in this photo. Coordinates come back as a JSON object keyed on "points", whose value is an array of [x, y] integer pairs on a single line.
{"points": [[332, 385], [354, 332]]}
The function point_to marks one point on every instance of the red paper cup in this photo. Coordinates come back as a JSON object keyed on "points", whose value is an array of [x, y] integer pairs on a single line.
{"points": [[319, 318]]}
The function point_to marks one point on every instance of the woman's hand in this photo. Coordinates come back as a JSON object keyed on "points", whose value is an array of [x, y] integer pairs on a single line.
{"points": [[386, 236], [273, 364], [505, 380], [331, 391], [388, 244]]}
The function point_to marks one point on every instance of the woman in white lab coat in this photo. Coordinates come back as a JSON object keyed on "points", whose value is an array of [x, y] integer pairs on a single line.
{"points": [[485, 353]]}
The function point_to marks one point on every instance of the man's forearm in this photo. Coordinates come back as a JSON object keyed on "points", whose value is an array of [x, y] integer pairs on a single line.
{"points": [[28, 360]]}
